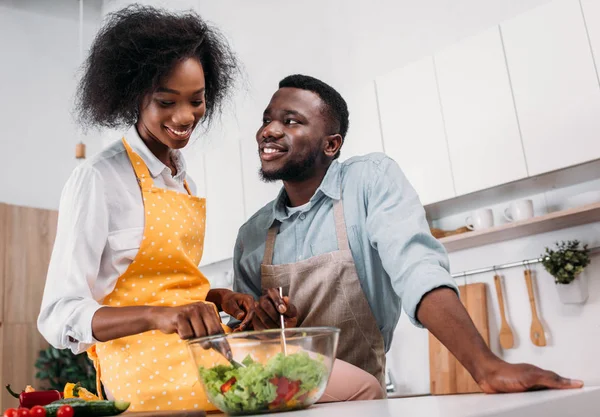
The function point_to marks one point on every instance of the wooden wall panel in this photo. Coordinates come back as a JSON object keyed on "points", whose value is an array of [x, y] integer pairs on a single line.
{"points": [[3, 234], [30, 239], [22, 343], [26, 241]]}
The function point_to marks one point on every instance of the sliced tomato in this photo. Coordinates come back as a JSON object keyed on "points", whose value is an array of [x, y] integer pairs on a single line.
{"points": [[227, 385], [286, 390], [293, 389]]}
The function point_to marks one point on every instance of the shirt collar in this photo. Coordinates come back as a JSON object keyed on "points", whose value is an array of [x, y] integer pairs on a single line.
{"points": [[155, 166], [330, 187]]}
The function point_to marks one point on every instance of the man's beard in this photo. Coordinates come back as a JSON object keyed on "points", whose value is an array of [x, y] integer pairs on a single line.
{"points": [[292, 170]]}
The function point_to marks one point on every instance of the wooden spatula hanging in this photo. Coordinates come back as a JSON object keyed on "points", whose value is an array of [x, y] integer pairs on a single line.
{"points": [[506, 335], [536, 333]]}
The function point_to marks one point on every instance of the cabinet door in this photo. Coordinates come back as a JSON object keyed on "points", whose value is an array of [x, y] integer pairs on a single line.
{"points": [[555, 85], [224, 201], [364, 135], [413, 129], [481, 123], [591, 14]]}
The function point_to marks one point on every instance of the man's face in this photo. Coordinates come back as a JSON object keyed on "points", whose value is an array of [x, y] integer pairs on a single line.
{"points": [[292, 136]]}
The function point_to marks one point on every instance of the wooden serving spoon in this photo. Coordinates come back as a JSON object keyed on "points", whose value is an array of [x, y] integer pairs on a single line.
{"points": [[536, 333], [506, 335]]}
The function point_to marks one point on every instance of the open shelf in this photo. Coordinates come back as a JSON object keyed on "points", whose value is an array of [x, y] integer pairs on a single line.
{"points": [[554, 221]]}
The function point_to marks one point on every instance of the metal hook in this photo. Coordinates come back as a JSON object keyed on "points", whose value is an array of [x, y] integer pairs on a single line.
{"points": [[495, 270], [526, 265]]}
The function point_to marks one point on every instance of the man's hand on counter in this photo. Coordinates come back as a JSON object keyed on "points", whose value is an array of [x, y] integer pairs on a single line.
{"points": [[506, 377], [442, 313]]}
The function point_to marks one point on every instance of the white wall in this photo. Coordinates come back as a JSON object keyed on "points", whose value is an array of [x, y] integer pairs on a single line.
{"points": [[40, 56]]}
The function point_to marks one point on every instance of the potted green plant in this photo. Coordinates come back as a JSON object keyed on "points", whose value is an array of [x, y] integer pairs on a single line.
{"points": [[56, 367], [566, 264]]}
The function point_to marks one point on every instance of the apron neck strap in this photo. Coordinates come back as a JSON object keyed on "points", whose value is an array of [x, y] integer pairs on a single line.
{"points": [[270, 244], [340, 225], [340, 231], [139, 166]]}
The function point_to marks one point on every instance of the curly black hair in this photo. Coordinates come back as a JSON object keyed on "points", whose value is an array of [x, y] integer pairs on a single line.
{"points": [[135, 48], [335, 105]]}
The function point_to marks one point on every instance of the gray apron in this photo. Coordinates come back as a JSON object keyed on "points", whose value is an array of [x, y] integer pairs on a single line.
{"points": [[327, 292]]}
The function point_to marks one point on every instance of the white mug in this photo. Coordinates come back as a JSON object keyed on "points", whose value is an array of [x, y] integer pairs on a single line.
{"points": [[480, 219], [519, 210]]}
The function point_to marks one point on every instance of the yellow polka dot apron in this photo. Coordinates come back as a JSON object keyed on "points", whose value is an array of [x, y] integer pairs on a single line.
{"points": [[152, 370]]}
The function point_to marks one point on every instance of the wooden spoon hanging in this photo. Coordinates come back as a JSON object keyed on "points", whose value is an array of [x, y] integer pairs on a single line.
{"points": [[506, 335], [536, 333]]}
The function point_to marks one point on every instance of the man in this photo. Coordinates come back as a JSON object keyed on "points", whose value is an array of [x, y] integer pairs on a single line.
{"points": [[350, 245]]}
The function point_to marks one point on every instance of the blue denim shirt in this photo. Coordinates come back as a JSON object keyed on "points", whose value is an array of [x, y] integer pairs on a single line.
{"points": [[397, 259]]}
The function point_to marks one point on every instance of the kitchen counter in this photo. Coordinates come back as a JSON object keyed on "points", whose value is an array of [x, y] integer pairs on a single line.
{"points": [[583, 402]]}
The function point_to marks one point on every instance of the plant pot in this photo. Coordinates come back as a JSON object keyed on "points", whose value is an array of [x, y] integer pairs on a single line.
{"points": [[576, 292]]}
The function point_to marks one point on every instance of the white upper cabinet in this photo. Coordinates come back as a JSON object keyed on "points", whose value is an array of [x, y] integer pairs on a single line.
{"points": [[224, 201], [554, 83], [481, 123], [413, 129], [591, 14]]}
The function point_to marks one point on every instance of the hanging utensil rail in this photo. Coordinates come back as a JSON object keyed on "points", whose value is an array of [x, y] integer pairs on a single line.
{"points": [[493, 268]]}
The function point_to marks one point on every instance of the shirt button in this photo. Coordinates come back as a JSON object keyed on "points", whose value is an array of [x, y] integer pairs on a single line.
{"points": [[302, 216]]}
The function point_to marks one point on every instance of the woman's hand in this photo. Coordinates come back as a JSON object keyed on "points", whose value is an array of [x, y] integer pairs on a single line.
{"points": [[188, 321], [268, 310]]}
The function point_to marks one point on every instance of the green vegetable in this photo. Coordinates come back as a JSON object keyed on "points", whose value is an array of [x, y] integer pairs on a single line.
{"points": [[84, 408], [284, 382]]}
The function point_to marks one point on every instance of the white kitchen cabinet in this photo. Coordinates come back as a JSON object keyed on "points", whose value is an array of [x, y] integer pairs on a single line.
{"points": [[224, 201], [481, 124], [364, 135], [554, 84], [413, 129], [591, 14]]}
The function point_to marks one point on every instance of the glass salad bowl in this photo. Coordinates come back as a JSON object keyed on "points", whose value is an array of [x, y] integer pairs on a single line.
{"points": [[265, 371]]}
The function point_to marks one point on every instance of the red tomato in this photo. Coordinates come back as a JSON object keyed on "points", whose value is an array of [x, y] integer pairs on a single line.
{"points": [[11, 412], [38, 411], [23, 412], [226, 386], [65, 411]]}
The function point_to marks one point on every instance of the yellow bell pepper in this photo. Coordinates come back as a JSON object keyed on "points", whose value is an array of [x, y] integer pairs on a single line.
{"points": [[77, 391]]}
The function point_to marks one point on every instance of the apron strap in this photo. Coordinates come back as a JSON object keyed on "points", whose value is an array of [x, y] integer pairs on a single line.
{"points": [[340, 225], [270, 244], [94, 357], [187, 187], [141, 170]]}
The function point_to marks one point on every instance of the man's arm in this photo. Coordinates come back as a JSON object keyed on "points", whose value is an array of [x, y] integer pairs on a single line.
{"points": [[418, 267], [446, 318]]}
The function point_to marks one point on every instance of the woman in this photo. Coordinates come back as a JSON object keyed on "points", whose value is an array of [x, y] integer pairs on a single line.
{"points": [[123, 279]]}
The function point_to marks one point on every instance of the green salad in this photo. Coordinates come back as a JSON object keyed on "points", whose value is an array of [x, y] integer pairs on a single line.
{"points": [[283, 383]]}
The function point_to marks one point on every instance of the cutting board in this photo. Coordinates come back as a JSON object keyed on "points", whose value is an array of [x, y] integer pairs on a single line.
{"points": [[447, 375]]}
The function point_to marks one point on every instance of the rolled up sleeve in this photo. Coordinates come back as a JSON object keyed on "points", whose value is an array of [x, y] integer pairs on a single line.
{"points": [[416, 262], [68, 304]]}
